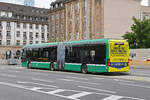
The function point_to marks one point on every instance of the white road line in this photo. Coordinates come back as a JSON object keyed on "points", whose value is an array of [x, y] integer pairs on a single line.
{"points": [[113, 97], [37, 84], [141, 86], [124, 81], [80, 81], [77, 78], [34, 73], [22, 87], [55, 91], [42, 80], [13, 71], [35, 88], [78, 95], [8, 75], [113, 92], [97, 78]]}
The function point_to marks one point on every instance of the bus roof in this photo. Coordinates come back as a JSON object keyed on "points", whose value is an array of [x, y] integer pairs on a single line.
{"points": [[42, 45]]}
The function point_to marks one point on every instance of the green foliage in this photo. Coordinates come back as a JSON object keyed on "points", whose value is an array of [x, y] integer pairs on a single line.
{"points": [[139, 37]]}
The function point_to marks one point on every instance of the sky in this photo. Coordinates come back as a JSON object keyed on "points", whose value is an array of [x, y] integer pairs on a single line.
{"points": [[46, 3]]}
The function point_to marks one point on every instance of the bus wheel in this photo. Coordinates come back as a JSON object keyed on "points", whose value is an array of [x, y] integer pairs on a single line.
{"points": [[29, 65], [84, 69], [52, 66]]}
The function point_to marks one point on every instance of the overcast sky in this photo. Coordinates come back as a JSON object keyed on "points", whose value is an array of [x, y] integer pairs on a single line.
{"points": [[45, 3]]}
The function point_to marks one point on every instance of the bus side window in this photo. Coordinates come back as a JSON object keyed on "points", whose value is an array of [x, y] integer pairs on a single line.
{"points": [[92, 56], [68, 54]]}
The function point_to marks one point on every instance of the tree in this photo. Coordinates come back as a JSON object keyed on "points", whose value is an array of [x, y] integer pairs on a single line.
{"points": [[139, 37]]}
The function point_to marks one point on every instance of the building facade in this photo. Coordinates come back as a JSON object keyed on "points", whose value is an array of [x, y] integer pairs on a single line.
{"points": [[145, 12], [92, 19], [21, 25], [29, 3], [57, 22]]}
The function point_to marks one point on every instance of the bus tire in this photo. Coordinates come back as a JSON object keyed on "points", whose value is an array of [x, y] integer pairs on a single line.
{"points": [[84, 69], [29, 65], [52, 67]]}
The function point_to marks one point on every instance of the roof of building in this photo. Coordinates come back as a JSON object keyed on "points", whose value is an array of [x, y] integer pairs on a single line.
{"points": [[21, 9]]}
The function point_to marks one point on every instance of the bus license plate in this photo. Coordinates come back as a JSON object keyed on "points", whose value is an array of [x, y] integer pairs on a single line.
{"points": [[118, 64]]}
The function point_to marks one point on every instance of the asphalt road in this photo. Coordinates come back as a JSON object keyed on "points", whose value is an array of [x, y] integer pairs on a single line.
{"points": [[17, 83]]}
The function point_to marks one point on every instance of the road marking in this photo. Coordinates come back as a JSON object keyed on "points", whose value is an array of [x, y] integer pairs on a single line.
{"points": [[80, 81], [8, 75], [113, 97], [34, 73], [42, 80], [141, 86], [78, 95], [55, 91], [97, 78], [13, 71], [97, 89], [37, 84], [77, 78], [123, 81], [35, 88], [73, 97]]}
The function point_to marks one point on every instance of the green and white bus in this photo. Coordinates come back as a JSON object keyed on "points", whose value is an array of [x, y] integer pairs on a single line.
{"points": [[98, 55]]}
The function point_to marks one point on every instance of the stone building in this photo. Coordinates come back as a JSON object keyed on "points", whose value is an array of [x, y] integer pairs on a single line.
{"points": [[145, 12], [91, 19], [57, 21], [21, 25]]}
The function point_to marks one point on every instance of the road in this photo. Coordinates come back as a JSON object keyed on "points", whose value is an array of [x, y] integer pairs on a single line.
{"points": [[17, 83]]}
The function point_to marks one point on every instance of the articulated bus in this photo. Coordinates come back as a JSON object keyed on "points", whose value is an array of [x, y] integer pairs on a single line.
{"points": [[98, 55]]}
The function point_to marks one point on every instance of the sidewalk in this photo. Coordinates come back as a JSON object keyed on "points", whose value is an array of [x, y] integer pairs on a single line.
{"points": [[140, 64]]}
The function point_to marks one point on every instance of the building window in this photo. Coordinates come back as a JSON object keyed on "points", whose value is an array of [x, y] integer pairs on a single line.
{"points": [[70, 35], [37, 26], [0, 34], [31, 36], [37, 42], [70, 9], [48, 36], [18, 16], [18, 25], [8, 34], [77, 6], [24, 25], [0, 42], [53, 35], [24, 42], [43, 41], [37, 35], [52, 17], [57, 16], [36, 18], [42, 35], [18, 42], [62, 15], [8, 24], [0, 24], [24, 35], [31, 17], [24, 17], [31, 26], [8, 42], [31, 42], [77, 35], [18, 34]]}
